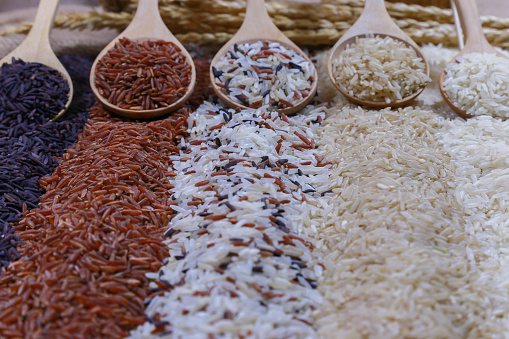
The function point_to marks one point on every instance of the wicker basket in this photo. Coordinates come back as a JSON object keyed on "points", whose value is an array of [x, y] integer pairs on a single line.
{"points": [[311, 24], [126, 5], [436, 3]]}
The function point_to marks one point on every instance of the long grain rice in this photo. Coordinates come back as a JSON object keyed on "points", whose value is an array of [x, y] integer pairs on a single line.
{"points": [[478, 83], [264, 73], [237, 266], [379, 69], [414, 237]]}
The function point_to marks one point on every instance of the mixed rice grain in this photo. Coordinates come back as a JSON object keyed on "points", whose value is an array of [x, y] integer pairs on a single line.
{"points": [[264, 73], [237, 264]]}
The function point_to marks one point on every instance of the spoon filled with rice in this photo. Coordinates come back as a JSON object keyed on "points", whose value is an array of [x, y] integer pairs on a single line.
{"points": [[145, 72], [476, 81], [375, 63], [32, 76], [259, 66]]}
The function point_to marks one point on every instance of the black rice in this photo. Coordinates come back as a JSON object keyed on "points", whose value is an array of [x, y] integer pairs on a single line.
{"points": [[30, 145], [31, 92]]}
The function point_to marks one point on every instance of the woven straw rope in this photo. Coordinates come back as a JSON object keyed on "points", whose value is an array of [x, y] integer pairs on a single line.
{"points": [[214, 21]]}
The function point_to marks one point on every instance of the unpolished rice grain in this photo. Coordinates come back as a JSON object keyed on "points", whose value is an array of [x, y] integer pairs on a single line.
{"points": [[237, 267], [29, 142], [379, 69], [264, 73], [202, 88], [95, 234], [32, 88], [143, 75], [478, 83]]}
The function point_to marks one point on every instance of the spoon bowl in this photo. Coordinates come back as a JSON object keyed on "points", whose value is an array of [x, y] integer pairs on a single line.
{"points": [[258, 26], [475, 42], [146, 24], [36, 47], [376, 21]]}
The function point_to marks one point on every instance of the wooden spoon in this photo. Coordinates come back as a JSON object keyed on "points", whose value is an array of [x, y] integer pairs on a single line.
{"points": [[475, 42], [258, 26], [374, 20], [36, 46], [146, 24]]}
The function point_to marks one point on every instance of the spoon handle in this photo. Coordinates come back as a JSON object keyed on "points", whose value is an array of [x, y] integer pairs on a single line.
{"points": [[375, 19], [147, 10], [37, 40], [257, 15], [375, 15], [257, 23], [375, 6], [471, 25], [44, 18]]}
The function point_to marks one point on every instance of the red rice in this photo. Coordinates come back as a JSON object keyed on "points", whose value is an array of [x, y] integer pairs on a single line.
{"points": [[143, 75]]}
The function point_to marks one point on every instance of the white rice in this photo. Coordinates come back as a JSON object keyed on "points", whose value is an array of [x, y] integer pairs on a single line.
{"points": [[402, 256], [415, 239], [249, 77], [380, 69], [478, 83]]}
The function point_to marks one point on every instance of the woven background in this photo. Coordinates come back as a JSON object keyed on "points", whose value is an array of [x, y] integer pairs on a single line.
{"points": [[84, 28], [486, 7]]}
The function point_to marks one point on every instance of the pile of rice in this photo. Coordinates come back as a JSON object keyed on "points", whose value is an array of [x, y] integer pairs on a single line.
{"points": [[478, 83], [264, 73], [406, 210], [416, 239], [237, 266], [406, 252], [379, 69]]}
